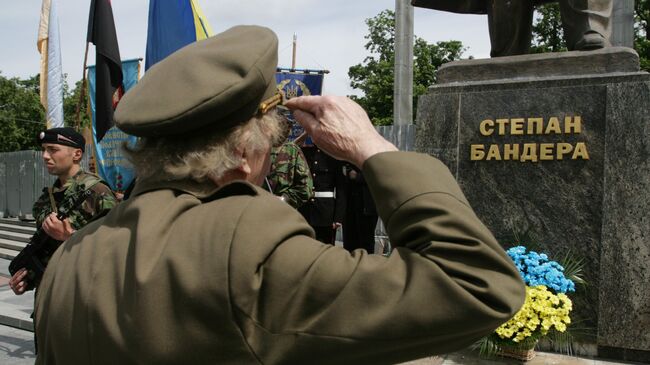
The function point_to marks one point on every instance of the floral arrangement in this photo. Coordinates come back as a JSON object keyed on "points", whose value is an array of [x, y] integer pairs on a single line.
{"points": [[547, 306]]}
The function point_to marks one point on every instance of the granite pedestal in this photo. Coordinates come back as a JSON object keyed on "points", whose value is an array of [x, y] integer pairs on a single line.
{"points": [[559, 145]]}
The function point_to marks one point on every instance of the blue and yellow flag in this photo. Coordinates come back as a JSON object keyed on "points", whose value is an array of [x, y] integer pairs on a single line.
{"points": [[173, 24], [112, 165]]}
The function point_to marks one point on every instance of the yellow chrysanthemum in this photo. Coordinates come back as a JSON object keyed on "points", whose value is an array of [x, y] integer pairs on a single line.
{"points": [[541, 311]]}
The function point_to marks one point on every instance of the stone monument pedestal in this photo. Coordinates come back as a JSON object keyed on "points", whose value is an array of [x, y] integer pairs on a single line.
{"points": [[559, 144]]}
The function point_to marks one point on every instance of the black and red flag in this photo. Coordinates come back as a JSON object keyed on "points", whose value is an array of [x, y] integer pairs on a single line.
{"points": [[109, 89]]}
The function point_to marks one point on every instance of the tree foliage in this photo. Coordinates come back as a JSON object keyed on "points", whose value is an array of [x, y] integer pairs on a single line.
{"points": [[548, 34], [375, 76], [642, 32], [70, 101], [21, 114]]}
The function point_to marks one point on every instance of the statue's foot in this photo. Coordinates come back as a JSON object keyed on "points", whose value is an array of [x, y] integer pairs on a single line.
{"points": [[591, 40]]}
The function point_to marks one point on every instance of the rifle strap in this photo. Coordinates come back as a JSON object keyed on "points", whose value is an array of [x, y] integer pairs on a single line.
{"points": [[52, 201]]}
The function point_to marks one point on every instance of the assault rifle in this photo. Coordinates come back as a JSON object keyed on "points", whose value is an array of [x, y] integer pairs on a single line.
{"points": [[36, 254]]}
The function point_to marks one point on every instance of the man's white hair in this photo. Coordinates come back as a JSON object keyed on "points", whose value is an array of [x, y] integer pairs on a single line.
{"points": [[208, 153]]}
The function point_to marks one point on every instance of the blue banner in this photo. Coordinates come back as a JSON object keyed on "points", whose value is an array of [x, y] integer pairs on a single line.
{"points": [[293, 84], [112, 165]]}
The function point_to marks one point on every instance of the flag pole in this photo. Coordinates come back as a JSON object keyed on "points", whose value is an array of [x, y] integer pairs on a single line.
{"points": [[293, 58], [83, 90]]}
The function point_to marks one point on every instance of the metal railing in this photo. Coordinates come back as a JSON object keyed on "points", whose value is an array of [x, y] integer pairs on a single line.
{"points": [[23, 176]]}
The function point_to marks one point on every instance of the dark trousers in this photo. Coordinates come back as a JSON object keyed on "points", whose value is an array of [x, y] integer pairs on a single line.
{"points": [[358, 228], [325, 234], [510, 23]]}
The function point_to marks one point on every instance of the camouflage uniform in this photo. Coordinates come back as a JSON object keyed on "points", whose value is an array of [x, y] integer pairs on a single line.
{"points": [[289, 176], [101, 201]]}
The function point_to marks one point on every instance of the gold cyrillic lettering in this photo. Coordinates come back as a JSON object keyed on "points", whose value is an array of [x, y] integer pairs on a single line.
{"points": [[580, 151], [493, 153], [553, 126], [487, 127], [535, 126], [572, 125], [511, 152], [529, 153], [502, 126], [563, 149], [517, 126], [477, 152], [546, 151]]}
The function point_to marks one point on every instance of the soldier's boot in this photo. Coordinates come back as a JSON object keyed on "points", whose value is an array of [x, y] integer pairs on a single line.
{"points": [[587, 23], [510, 23]]}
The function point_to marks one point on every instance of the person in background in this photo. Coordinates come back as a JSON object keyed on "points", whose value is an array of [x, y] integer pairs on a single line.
{"points": [[203, 266], [63, 149], [326, 209], [289, 177], [360, 212]]}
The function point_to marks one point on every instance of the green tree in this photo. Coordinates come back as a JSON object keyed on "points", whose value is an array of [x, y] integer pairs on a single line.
{"points": [[374, 77], [21, 115], [548, 34], [70, 101], [642, 32]]}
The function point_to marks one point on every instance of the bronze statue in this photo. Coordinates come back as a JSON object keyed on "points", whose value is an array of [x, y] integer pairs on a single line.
{"points": [[586, 22]]}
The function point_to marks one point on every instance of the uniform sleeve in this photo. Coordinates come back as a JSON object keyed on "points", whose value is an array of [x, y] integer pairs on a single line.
{"points": [[102, 199], [41, 208], [302, 185], [447, 283]]}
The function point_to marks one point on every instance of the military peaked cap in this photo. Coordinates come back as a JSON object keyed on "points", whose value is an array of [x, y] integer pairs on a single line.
{"points": [[218, 82], [63, 136]]}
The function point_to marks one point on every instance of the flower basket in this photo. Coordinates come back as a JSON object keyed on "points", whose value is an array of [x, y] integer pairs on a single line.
{"points": [[517, 352], [546, 308]]}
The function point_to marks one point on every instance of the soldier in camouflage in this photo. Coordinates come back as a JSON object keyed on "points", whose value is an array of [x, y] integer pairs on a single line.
{"points": [[62, 152], [289, 177]]}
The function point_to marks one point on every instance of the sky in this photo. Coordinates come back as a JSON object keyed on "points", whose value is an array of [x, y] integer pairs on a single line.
{"points": [[330, 34]]}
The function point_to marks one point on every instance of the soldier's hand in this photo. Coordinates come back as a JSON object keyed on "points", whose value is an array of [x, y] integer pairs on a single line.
{"points": [[17, 282], [57, 229], [340, 127]]}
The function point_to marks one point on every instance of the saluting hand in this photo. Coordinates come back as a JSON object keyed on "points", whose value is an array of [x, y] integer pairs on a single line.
{"points": [[340, 127], [57, 229]]}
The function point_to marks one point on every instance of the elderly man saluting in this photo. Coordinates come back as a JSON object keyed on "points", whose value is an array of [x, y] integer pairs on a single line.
{"points": [[202, 266]]}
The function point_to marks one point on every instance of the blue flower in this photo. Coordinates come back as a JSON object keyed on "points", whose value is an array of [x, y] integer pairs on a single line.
{"points": [[536, 269]]}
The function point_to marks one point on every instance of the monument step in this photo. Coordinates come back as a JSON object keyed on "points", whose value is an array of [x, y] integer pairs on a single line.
{"points": [[18, 222], [8, 254], [12, 245], [10, 227], [14, 236]]}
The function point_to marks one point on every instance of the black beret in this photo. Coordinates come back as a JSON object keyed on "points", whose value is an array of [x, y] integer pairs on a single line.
{"points": [[63, 136], [219, 82]]}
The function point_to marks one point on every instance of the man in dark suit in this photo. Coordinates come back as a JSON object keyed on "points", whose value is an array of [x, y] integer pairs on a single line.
{"points": [[325, 210], [360, 212], [586, 22]]}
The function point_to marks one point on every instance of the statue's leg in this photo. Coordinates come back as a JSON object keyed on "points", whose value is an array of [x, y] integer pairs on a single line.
{"points": [[510, 23], [587, 23]]}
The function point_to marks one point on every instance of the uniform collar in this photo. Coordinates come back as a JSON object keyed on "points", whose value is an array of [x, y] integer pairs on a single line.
{"points": [[57, 184], [200, 190]]}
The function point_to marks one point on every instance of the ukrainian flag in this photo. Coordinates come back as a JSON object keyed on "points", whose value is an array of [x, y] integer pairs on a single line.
{"points": [[173, 24]]}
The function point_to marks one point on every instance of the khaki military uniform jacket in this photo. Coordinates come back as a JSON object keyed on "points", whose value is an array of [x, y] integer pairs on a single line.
{"points": [[166, 278]]}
